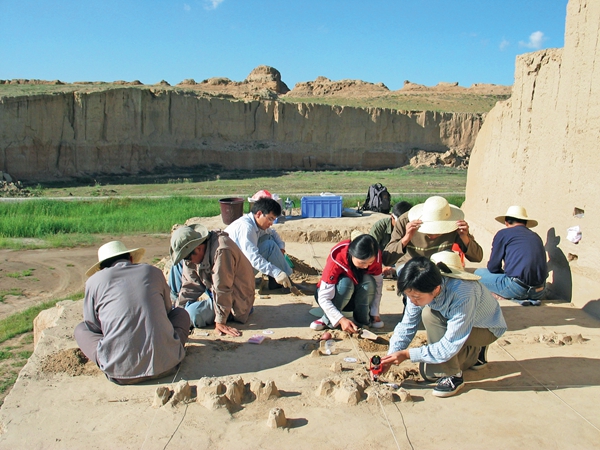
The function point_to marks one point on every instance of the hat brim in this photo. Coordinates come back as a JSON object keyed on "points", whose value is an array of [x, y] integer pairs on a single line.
{"points": [[461, 275], [530, 222], [186, 249], [438, 226], [136, 256]]}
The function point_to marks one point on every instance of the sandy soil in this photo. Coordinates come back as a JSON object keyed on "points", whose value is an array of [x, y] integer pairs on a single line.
{"points": [[538, 389]]}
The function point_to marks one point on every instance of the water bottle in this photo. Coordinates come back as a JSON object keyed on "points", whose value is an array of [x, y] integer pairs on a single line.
{"points": [[329, 347], [289, 204]]}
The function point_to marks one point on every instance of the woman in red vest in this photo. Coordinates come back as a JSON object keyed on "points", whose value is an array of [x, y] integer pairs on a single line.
{"points": [[352, 281]]}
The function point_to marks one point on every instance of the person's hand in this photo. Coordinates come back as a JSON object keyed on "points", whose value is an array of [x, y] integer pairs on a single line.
{"points": [[394, 358], [283, 280], [387, 271], [411, 228], [463, 230], [347, 325], [224, 329]]}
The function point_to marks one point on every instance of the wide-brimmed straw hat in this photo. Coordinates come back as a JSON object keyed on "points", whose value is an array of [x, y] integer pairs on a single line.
{"points": [[518, 212], [452, 262], [185, 239], [112, 249], [438, 216]]}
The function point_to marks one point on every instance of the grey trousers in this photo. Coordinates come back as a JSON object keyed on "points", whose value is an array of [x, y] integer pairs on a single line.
{"points": [[436, 325], [88, 342]]}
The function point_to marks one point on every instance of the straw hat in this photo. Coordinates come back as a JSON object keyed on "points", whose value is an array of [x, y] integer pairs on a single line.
{"points": [[112, 249], [518, 212], [452, 261], [437, 215], [356, 233], [185, 239]]}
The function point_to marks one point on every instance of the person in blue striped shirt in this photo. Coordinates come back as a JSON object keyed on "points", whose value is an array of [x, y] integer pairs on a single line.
{"points": [[460, 315]]}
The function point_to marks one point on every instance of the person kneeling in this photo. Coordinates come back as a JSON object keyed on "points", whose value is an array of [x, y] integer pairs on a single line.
{"points": [[460, 315], [213, 265], [130, 329], [352, 281]]}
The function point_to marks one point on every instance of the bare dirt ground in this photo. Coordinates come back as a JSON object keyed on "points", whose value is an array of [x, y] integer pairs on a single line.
{"points": [[539, 389]]}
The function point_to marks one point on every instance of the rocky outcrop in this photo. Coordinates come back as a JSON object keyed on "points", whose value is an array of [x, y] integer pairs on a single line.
{"points": [[133, 130], [539, 149], [324, 87]]}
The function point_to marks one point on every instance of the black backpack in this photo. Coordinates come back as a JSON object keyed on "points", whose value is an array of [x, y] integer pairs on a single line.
{"points": [[378, 199]]}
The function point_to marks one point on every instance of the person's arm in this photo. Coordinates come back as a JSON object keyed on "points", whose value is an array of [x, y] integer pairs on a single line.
{"points": [[395, 248], [223, 279], [494, 265], [326, 294], [247, 240], [472, 250], [89, 310], [378, 292], [191, 285], [459, 326]]}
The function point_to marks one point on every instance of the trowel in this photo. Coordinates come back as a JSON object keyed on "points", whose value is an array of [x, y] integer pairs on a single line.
{"points": [[366, 334]]}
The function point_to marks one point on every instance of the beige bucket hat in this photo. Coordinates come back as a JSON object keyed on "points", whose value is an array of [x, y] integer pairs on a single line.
{"points": [[452, 261], [185, 239], [518, 212], [438, 216], [112, 249]]}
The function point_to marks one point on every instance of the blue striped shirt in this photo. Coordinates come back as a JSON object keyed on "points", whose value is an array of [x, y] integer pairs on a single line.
{"points": [[465, 304]]}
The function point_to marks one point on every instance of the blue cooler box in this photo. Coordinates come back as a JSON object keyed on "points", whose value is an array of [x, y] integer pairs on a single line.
{"points": [[322, 206]]}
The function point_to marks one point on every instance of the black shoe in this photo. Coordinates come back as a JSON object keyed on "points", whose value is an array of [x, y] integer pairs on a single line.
{"points": [[273, 285], [448, 386], [481, 359], [423, 373]]}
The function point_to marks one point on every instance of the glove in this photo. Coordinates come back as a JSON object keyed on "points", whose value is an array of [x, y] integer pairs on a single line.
{"points": [[283, 280]]}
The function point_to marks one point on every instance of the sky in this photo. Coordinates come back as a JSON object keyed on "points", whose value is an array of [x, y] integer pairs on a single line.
{"points": [[387, 41]]}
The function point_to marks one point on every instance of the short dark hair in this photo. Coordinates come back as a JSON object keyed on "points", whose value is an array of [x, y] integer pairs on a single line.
{"points": [[513, 220], [400, 208], [110, 261], [420, 274], [266, 205]]}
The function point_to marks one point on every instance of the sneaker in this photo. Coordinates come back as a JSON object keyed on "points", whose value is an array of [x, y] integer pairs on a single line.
{"points": [[448, 386], [423, 373], [377, 324], [318, 325], [481, 359]]}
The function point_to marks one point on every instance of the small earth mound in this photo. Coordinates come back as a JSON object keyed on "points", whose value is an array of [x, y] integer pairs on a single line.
{"points": [[71, 361]]}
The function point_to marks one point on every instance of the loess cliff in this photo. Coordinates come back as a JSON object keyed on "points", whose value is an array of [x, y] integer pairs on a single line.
{"points": [[129, 130]]}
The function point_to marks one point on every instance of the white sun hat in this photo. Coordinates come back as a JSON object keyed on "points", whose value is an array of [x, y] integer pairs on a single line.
{"points": [[437, 215], [518, 212], [451, 260], [112, 249]]}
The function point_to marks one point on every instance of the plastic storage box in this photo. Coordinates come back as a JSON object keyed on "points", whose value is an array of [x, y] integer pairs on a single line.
{"points": [[322, 206]]}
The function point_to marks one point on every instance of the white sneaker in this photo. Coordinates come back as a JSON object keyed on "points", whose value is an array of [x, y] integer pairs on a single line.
{"points": [[318, 325], [377, 324]]}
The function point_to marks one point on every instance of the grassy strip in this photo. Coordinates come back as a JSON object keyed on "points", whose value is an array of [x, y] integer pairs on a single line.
{"points": [[39, 219], [54, 221], [22, 322]]}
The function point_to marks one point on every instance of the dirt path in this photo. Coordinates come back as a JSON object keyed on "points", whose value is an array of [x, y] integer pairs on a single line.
{"points": [[41, 275]]}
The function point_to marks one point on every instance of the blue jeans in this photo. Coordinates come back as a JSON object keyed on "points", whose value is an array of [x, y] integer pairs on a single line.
{"points": [[202, 312], [362, 295], [268, 249], [506, 287]]}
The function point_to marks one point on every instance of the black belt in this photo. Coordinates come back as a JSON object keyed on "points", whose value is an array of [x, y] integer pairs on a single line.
{"points": [[526, 286]]}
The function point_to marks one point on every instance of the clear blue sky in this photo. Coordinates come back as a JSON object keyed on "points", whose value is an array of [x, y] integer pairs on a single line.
{"points": [[389, 41]]}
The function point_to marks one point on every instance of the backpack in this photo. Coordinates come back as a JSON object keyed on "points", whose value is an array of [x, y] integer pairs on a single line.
{"points": [[378, 199]]}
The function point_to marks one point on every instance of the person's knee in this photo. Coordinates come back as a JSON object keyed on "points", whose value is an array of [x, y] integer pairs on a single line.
{"points": [[345, 286]]}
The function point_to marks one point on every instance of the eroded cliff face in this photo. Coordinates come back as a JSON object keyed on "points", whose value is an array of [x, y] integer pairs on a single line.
{"points": [[133, 130], [539, 149]]}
